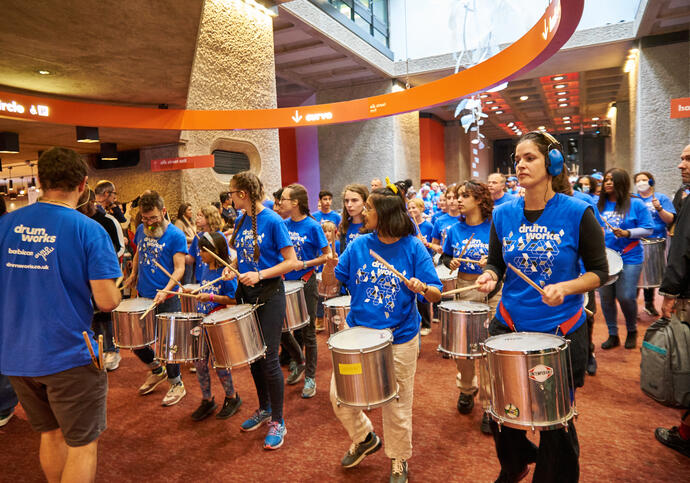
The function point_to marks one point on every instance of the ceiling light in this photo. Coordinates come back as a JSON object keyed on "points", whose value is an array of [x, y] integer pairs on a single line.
{"points": [[629, 65], [595, 119], [566, 122], [542, 128], [86, 134], [109, 151], [561, 93], [563, 99], [634, 51], [558, 78], [484, 96], [493, 108], [568, 128], [566, 118], [565, 104], [511, 124], [611, 113], [489, 102], [499, 112], [9, 142], [594, 125], [475, 141], [44, 72], [559, 86], [524, 98]]}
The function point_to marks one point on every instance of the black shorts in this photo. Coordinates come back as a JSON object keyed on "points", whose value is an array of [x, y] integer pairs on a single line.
{"points": [[73, 400]]}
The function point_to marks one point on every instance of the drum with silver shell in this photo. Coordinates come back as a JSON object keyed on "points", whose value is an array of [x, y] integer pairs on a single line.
{"points": [[615, 262], [464, 326], [129, 330], [335, 312], [296, 315], [189, 304], [448, 280], [326, 291], [654, 262], [234, 336], [180, 337]]}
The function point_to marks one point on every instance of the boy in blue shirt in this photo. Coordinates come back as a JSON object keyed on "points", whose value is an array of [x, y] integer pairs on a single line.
{"points": [[325, 213]]}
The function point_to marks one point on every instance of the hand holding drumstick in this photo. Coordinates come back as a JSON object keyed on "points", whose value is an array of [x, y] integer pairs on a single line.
{"points": [[432, 294]]}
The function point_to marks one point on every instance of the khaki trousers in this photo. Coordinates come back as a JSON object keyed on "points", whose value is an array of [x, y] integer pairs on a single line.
{"points": [[397, 415]]}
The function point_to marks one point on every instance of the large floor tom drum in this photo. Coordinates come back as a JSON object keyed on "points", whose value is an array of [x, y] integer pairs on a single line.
{"points": [[129, 330], [335, 312], [180, 337], [296, 315], [464, 326], [654, 263], [234, 336]]}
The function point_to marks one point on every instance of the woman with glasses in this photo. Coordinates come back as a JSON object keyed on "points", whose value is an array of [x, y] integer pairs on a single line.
{"points": [[444, 222]]}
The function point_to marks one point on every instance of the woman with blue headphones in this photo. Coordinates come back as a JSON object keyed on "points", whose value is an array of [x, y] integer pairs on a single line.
{"points": [[573, 234]]}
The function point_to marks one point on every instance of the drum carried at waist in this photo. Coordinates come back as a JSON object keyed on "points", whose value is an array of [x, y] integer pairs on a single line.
{"points": [[189, 304], [654, 262], [129, 331], [464, 326], [448, 280], [234, 335], [335, 312], [615, 262], [180, 337], [296, 315], [326, 291]]}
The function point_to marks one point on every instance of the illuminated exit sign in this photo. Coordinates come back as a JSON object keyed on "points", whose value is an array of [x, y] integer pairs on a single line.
{"points": [[313, 117], [16, 108]]}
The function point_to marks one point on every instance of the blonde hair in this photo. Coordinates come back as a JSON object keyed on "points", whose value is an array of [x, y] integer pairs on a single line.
{"points": [[215, 222], [418, 203], [327, 226]]}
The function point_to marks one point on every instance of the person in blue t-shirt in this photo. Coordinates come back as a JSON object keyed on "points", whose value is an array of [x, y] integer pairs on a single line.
{"points": [[212, 298], [380, 300], [325, 213], [512, 186], [312, 251], [627, 220], [663, 212], [329, 285], [586, 184], [208, 220], [442, 208], [354, 198], [444, 222], [158, 241], [497, 186], [264, 254], [568, 231], [415, 207], [54, 261]]}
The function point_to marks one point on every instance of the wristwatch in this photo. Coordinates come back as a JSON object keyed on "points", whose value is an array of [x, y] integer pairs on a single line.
{"points": [[304, 265], [260, 276]]}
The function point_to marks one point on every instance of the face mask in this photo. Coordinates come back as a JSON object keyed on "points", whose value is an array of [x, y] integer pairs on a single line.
{"points": [[642, 186], [585, 189]]}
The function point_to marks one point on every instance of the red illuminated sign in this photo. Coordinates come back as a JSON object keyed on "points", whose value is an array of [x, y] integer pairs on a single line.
{"points": [[188, 162]]}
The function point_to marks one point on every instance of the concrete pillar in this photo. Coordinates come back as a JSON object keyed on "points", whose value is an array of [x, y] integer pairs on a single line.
{"points": [[233, 68], [618, 145]]}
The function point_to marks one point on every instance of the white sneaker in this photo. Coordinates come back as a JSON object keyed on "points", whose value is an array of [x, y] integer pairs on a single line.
{"points": [[4, 419], [174, 395], [152, 381], [112, 360], [425, 331]]}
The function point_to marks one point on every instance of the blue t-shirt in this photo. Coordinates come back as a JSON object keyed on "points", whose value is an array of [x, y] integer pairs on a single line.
{"points": [[272, 237], [590, 201], [666, 204], [351, 234], [380, 299], [457, 237], [223, 287], [195, 252], [308, 239], [513, 191], [638, 216], [426, 229], [504, 199], [319, 269], [48, 255], [162, 250], [436, 216], [547, 252], [267, 203], [441, 227], [330, 216]]}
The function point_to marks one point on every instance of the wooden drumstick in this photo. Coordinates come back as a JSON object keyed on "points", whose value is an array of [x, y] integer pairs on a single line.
{"points": [[462, 252], [183, 294], [608, 224], [526, 279], [167, 273], [151, 307], [119, 281], [100, 351], [220, 260], [467, 260], [389, 266], [90, 347], [197, 290], [459, 290]]}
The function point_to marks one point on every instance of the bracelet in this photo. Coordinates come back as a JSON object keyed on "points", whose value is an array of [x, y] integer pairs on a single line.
{"points": [[304, 265], [210, 297], [260, 276], [492, 275]]}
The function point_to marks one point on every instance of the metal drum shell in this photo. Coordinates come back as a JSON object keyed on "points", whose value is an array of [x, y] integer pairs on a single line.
{"points": [[189, 304], [335, 312], [449, 281], [234, 336], [517, 400], [654, 264], [180, 337], [129, 331], [464, 326], [615, 262], [296, 314], [326, 291], [364, 377]]}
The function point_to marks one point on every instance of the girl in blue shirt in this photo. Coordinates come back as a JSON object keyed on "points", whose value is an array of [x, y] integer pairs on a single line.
{"points": [[381, 300], [264, 254], [330, 286], [213, 298], [312, 251], [354, 197], [415, 207], [627, 220], [208, 220], [438, 236]]}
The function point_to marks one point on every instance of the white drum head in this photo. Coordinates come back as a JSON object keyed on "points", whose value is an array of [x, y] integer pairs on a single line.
{"points": [[464, 306], [524, 342], [652, 241], [356, 338], [232, 312], [343, 301], [319, 277], [292, 286], [192, 286], [443, 272], [138, 304], [180, 315], [615, 262]]}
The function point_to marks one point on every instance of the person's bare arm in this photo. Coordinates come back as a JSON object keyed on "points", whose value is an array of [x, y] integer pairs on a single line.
{"points": [[105, 294]]}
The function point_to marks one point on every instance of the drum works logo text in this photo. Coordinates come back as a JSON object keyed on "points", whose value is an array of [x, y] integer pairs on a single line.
{"points": [[34, 235], [540, 373]]}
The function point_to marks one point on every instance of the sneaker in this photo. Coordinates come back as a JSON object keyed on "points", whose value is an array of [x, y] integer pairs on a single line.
{"points": [[296, 374], [152, 381], [465, 403], [230, 406], [319, 325], [6, 416], [592, 365], [257, 419], [485, 425], [504, 477], [205, 409], [174, 395], [672, 439], [111, 360], [425, 331], [276, 435], [631, 340], [359, 451], [611, 342], [192, 369], [650, 310], [398, 471], [309, 388]]}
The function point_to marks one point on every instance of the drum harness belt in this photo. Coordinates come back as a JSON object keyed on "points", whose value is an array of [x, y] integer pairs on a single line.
{"points": [[565, 327], [630, 246]]}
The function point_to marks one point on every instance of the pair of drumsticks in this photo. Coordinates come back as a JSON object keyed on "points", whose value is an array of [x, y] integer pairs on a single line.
{"points": [[98, 363]]}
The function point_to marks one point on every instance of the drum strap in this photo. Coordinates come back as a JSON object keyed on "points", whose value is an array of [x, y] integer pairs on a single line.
{"points": [[305, 278], [630, 246], [565, 327]]}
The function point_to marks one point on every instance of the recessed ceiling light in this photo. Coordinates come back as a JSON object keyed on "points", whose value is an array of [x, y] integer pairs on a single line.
{"points": [[499, 112], [511, 124], [594, 125], [475, 141], [484, 96], [558, 78], [566, 117], [524, 98], [489, 102], [44, 72], [595, 119], [634, 51], [559, 86], [565, 104], [542, 128], [568, 128], [493, 108], [563, 99], [561, 93]]}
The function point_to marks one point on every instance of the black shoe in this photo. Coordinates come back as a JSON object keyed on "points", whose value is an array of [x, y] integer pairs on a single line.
{"points": [[296, 374], [611, 342], [465, 403], [485, 427], [592, 365], [284, 358], [504, 477], [359, 451], [205, 409], [672, 439], [649, 308], [230, 406], [631, 340]]}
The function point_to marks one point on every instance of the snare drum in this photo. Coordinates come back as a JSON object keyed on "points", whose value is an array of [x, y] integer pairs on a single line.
{"points": [[188, 304], [326, 291], [615, 262], [363, 367], [180, 337], [448, 280], [654, 263], [129, 331], [335, 312], [531, 382], [296, 315], [234, 336], [464, 326]]}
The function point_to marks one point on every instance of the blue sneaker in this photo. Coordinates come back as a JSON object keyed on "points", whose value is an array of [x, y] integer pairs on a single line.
{"points": [[259, 417], [276, 435], [309, 388]]}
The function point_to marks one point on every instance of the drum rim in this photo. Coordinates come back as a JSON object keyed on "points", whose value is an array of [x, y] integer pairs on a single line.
{"points": [[489, 350], [360, 351], [249, 310], [150, 301], [327, 304], [500, 420], [293, 290], [180, 315], [440, 306]]}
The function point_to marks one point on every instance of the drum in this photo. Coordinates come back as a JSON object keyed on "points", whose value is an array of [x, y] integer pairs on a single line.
{"points": [[234, 336], [188, 304], [296, 315], [335, 312], [464, 326], [326, 291], [531, 380], [654, 262], [447, 280], [129, 331], [363, 367], [615, 265], [180, 337]]}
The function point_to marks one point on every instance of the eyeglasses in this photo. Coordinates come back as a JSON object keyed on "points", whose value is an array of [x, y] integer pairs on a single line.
{"points": [[150, 219], [231, 192], [286, 199]]}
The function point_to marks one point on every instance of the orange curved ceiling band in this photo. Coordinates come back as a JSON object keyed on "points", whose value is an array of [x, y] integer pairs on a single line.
{"points": [[543, 40]]}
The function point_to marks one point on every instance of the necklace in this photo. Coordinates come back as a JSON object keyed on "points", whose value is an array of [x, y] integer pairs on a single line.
{"points": [[56, 202]]}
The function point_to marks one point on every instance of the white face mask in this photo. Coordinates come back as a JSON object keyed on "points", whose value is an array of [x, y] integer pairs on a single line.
{"points": [[585, 189], [642, 186]]}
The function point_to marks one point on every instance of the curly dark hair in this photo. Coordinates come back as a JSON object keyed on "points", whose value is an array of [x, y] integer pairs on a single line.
{"points": [[61, 169], [251, 184], [480, 192]]}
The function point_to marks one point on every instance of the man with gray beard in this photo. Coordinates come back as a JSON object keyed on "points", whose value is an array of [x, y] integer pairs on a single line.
{"points": [[158, 241]]}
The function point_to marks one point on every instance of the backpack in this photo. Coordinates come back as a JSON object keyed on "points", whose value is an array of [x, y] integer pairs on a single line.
{"points": [[665, 365]]}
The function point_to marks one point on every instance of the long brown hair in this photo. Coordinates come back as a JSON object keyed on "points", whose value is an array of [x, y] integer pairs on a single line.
{"points": [[299, 194], [215, 242], [249, 182], [559, 183], [213, 218], [480, 192], [363, 192], [180, 214]]}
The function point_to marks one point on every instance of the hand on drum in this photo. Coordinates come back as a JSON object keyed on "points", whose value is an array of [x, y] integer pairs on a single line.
{"points": [[249, 278], [159, 298], [203, 297], [486, 282], [621, 233], [454, 264], [228, 274], [417, 286], [553, 294]]}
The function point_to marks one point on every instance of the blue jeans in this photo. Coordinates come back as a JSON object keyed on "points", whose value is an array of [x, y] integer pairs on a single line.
{"points": [[625, 291], [146, 354], [8, 398]]}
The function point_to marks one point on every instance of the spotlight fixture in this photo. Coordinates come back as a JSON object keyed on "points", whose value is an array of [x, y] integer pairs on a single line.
{"points": [[484, 96], [493, 108], [499, 112], [475, 141], [634, 51], [559, 86], [566, 122], [489, 102], [86, 134], [562, 99], [561, 93], [524, 98], [44, 72], [568, 128], [109, 151], [594, 125], [557, 78], [511, 124], [565, 104], [595, 119], [9, 142], [565, 118], [541, 128]]}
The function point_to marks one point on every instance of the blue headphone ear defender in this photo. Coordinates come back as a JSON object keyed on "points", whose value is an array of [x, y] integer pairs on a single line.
{"points": [[555, 159]]}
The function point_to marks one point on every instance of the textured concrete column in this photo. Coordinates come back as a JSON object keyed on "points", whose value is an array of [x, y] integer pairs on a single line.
{"points": [[359, 151], [618, 145], [233, 68]]}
